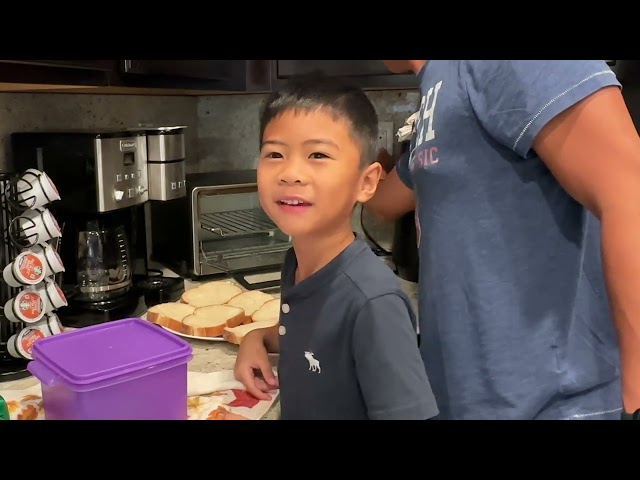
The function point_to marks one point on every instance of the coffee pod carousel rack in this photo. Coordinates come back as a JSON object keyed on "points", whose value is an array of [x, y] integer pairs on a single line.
{"points": [[11, 244]]}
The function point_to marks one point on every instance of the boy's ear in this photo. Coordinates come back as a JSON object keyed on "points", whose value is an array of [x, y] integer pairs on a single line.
{"points": [[369, 180]]}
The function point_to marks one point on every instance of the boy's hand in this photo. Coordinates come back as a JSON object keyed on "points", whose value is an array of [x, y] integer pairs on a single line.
{"points": [[252, 367]]}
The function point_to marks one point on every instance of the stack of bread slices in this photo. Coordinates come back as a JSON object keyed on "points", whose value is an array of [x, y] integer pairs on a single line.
{"points": [[218, 309]]}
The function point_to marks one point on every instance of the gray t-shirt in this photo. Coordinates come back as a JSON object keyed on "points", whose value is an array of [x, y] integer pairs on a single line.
{"points": [[514, 317], [348, 344]]}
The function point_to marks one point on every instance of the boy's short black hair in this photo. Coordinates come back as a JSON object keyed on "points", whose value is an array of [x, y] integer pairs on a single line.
{"points": [[317, 90]]}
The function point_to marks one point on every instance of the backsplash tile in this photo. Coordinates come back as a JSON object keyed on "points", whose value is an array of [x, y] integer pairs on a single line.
{"points": [[222, 131], [229, 125], [41, 111], [229, 128]]}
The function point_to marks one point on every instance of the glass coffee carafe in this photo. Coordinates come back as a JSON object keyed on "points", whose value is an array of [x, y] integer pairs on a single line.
{"points": [[103, 263]]}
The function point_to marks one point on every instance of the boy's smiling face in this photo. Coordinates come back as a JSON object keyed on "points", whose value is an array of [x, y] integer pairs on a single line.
{"points": [[309, 173]]}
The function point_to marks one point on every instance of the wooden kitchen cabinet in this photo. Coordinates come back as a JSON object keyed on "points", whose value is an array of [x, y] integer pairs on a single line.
{"points": [[204, 69], [154, 77], [103, 65], [253, 76], [214, 75], [367, 74], [34, 73], [185, 77]]}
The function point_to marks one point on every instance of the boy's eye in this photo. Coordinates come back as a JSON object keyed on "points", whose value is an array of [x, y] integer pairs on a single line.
{"points": [[318, 155], [273, 155]]}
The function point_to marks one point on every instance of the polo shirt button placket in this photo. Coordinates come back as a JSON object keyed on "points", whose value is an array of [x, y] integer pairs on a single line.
{"points": [[282, 330]]}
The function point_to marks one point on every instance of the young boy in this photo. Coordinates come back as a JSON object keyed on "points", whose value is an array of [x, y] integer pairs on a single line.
{"points": [[347, 336]]}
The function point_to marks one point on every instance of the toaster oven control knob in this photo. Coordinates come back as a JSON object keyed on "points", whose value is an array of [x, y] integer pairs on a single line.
{"points": [[118, 195], [141, 190]]}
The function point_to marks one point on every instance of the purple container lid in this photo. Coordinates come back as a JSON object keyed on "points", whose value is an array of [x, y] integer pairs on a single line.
{"points": [[100, 352]]}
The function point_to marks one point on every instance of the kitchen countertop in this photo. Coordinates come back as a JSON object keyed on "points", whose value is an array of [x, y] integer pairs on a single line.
{"points": [[207, 357], [215, 355]]}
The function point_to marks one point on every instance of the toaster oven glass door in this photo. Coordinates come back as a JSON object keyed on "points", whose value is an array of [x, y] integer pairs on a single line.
{"points": [[237, 238]]}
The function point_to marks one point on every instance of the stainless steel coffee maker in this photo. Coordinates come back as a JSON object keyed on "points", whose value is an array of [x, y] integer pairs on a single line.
{"points": [[104, 183], [165, 161]]}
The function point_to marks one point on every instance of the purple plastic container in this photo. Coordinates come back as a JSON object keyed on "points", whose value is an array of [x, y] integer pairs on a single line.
{"points": [[127, 369]]}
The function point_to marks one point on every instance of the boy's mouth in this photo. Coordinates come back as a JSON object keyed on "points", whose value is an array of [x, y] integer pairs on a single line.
{"points": [[294, 202]]}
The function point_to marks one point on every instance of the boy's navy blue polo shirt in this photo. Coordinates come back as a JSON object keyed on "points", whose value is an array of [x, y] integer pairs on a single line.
{"points": [[348, 343]]}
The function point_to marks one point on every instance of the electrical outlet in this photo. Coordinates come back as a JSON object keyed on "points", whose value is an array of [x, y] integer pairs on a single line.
{"points": [[385, 136]]}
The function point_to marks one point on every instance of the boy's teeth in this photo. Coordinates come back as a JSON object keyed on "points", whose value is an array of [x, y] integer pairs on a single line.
{"points": [[292, 202]]}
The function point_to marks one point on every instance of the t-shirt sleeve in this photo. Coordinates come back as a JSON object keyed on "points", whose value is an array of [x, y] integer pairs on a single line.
{"points": [[390, 371], [515, 99], [403, 171]]}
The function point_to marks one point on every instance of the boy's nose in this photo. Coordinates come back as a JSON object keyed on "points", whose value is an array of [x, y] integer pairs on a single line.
{"points": [[289, 179], [292, 173]]}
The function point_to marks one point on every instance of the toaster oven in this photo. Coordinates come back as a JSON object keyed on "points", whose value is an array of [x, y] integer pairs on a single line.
{"points": [[218, 229]]}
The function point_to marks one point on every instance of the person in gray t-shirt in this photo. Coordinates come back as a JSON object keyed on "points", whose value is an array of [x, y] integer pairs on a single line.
{"points": [[347, 333], [522, 172]]}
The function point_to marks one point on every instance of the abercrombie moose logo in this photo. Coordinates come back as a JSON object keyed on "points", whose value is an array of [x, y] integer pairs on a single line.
{"points": [[314, 365]]}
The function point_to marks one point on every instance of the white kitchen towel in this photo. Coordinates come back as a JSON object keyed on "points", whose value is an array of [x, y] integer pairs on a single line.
{"points": [[200, 383], [404, 133]]}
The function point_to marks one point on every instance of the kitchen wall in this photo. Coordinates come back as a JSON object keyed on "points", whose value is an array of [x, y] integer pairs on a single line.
{"points": [[228, 125], [25, 111], [222, 131], [228, 137]]}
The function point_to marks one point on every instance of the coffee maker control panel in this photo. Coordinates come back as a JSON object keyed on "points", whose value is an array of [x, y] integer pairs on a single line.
{"points": [[121, 171]]}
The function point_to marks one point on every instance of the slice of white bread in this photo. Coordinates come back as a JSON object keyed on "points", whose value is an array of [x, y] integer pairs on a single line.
{"points": [[268, 311], [235, 335], [170, 314], [250, 302], [211, 293], [210, 321]]}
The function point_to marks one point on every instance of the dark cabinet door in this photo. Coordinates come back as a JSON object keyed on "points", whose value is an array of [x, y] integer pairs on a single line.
{"points": [[367, 74], [57, 72], [219, 75], [339, 68], [105, 65], [201, 69]]}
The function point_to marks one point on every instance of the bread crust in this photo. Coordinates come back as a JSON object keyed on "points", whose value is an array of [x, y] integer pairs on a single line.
{"points": [[235, 337], [183, 325], [159, 318], [211, 331], [164, 321]]}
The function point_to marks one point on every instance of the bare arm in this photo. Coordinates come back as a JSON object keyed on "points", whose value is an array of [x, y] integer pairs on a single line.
{"points": [[392, 199], [593, 149], [252, 358], [271, 339]]}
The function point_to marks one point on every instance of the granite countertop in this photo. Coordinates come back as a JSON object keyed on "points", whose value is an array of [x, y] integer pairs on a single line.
{"points": [[207, 357], [214, 356]]}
